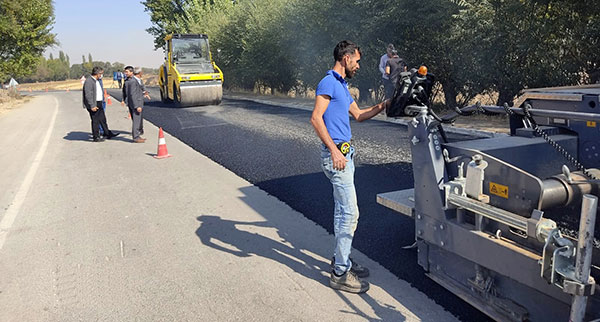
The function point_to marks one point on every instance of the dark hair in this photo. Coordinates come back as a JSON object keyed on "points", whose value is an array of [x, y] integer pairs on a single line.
{"points": [[129, 68], [97, 70], [390, 49], [343, 48]]}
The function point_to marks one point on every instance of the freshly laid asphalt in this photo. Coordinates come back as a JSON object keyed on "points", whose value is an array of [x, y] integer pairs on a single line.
{"points": [[270, 142], [235, 226]]}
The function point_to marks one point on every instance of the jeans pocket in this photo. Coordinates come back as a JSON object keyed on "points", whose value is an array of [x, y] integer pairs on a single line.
{"points": [[327, 164]]}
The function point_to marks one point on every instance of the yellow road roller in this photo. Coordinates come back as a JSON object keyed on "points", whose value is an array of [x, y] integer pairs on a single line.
{"points": [[189, 76]]}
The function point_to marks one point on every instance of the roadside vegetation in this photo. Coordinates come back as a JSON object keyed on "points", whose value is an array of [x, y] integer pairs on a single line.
{"points": [[478, 50], [489, 48]]}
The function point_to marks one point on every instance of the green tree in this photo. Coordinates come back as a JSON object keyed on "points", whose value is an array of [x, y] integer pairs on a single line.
{"points": [[87, 66], [524, 44], [24, 34], [186, 16], [58, 70], [311, 35], [254, 51], [165, 16]]}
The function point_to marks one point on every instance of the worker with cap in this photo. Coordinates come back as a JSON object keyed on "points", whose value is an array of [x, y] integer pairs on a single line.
{"points": [[388, 87]]}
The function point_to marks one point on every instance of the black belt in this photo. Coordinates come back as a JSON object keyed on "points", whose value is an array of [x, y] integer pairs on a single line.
{"points": [[344, 147]]}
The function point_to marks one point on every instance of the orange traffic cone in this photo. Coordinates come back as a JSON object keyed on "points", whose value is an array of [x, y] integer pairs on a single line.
{"points": [[30, 89], [162, 146], [46, 89], [67, 89], [108, 101]]}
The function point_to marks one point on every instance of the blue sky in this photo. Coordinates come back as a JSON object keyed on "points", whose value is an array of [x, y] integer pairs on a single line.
{"points": [[110, 30]]}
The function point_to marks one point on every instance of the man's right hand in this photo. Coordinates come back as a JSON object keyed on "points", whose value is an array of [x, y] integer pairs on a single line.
{"points": [[94, 109], [122, 103], [338, 159]]}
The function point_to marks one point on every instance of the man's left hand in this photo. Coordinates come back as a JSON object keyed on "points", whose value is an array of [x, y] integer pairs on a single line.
{"points": [[139, 110]]}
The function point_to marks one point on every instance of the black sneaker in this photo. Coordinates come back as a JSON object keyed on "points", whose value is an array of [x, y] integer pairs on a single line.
{"points": [[348, 282], [99, 139], [358, 269]]}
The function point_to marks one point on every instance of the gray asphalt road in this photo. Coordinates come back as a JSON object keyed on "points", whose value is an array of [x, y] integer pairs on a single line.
{"points": [[104, 232], [275, 148]]}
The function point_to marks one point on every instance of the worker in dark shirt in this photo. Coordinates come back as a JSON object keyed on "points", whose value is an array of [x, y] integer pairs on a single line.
{"points": [[394, 66]]}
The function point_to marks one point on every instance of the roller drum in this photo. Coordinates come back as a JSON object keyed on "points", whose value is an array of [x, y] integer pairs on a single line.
{"points": [[201, 94]]}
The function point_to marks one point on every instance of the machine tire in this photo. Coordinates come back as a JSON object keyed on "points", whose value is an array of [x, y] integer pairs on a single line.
{"points": [[164, 93], [176, 95]]}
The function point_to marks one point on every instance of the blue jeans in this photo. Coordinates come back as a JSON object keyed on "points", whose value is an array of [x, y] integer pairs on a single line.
{"points": [[345, 212]]}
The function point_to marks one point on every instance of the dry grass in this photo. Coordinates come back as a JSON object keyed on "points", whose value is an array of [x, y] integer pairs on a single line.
{"points": [[10, 100], [75, 84]]}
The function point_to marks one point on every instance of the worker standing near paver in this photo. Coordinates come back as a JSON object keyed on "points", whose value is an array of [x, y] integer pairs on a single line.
{"points": [[330, 119], [388, 87]]}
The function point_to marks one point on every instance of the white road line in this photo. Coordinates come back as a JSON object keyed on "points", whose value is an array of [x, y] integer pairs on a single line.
{"points": [[15, 206]]}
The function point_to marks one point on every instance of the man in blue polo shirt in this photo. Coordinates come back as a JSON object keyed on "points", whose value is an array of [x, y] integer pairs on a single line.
{"points": [[331, 121]]}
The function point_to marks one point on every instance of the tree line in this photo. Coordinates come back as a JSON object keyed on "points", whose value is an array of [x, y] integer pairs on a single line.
{"points": [[472, 46], [58, 69]]}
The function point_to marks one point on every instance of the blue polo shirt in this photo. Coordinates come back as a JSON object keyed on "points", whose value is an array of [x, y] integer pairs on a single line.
{"points": [[336, 116]]}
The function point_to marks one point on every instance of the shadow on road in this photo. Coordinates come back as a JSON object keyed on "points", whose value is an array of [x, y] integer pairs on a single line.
{"points": [[87, 136], [78, 136], [292, 248]]}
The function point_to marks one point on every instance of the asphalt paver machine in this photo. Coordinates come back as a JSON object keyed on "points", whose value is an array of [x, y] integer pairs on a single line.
{"points": [[189, 75], [507, 223]]}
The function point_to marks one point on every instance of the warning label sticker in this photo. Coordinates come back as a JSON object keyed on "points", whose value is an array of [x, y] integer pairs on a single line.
{"points": [[591, 124], [499, 190]]}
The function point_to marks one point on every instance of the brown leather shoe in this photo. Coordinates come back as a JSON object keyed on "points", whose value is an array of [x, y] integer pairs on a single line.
{"points": [[139, 140]]}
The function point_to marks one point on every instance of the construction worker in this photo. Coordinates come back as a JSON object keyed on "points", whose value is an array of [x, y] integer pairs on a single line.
{"points": [[394, 66], [120, 78], [330, 120], [388, 87]]}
